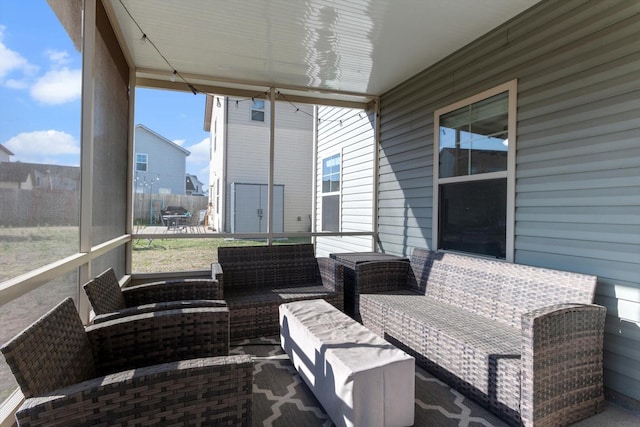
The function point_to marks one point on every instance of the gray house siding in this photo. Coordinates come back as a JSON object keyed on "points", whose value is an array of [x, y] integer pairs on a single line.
{"points": [[166, 163], [578, 152]]}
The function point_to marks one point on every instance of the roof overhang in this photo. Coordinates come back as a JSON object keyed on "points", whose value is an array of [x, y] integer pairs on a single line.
{"points": [[343, 53]]}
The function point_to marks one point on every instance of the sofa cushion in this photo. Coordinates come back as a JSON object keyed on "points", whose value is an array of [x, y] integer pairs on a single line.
{"points": [[239, 296], [483, 354]]}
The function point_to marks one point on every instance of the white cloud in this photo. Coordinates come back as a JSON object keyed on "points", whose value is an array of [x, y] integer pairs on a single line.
{"points": [[58, 57], [58, 86], [39, 146], [12, 62], [16, 84], [179, 142]]}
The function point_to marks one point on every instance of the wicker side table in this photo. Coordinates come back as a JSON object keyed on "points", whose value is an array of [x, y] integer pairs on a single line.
{"points": [[349, 260]]}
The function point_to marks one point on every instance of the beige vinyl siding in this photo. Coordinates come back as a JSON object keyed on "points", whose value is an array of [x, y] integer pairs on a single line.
{"points": [[247, 156], [578, 152], [354, 140], [294, 163]]}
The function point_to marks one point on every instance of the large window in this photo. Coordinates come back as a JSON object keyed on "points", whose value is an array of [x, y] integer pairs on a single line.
{"points": [[331, 193], [474, 174]]}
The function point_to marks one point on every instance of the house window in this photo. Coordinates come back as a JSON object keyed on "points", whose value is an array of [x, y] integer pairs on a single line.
{"points": [[331, 193], [474, 175], [257, 110], [142, 161], [218, 195]]}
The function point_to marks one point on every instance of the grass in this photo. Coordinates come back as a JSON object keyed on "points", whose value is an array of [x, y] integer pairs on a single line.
{"points": [[184, 254], [23, 249]]}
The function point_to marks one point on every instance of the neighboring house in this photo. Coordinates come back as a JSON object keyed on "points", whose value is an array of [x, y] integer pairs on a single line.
{"points": [[194, 187], [5, 154], [30, 176], [160, 165], [239, 168]]}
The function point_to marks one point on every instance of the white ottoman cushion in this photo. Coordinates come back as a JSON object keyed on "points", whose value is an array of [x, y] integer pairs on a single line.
{"points": [[359, 378]]}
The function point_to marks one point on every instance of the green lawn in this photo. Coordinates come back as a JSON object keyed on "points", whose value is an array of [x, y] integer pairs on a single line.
{"points": [[185, 254]]}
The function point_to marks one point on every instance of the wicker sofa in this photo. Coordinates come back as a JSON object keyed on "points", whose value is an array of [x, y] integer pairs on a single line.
{"points": [[525, 341], [257, 279], [160, 368]]}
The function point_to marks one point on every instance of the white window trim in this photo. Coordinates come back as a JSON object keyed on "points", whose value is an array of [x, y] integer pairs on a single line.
{"points": [[512, 88], [332, 193]]}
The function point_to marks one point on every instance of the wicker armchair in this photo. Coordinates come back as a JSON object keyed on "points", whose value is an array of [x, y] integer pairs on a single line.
{"points": [[257, 279], [153, 368], [110, 301]]}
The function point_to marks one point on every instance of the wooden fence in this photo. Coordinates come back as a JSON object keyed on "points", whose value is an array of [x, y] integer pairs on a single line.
{"points": [[32, 208], [147, 207]]}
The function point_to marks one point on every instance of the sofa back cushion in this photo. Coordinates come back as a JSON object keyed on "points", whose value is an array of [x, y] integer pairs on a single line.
{"points": [[497, 289], [268, 266]]}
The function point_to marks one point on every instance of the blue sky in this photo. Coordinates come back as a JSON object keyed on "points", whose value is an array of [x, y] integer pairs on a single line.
{"points": [[40, 82]]}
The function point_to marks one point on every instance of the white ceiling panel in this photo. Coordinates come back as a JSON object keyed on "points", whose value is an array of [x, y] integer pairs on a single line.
{"points": [[356, 49]]}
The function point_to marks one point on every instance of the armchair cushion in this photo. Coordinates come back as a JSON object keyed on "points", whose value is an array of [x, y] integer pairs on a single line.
{"points": [[150, 308]]}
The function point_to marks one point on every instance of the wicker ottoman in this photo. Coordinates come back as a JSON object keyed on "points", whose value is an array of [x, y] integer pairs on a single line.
{"points": [[359, 378]]}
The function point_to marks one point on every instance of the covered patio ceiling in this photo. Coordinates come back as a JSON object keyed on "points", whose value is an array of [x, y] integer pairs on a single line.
{"points": [[330, 50]]}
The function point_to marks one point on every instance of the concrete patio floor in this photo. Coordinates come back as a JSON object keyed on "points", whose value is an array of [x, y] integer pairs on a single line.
{"points": [[612, 416]]}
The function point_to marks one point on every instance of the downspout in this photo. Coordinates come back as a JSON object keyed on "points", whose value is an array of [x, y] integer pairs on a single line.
{"points": [[375, 246], [272, 130], [225, 147], [314, 183]]}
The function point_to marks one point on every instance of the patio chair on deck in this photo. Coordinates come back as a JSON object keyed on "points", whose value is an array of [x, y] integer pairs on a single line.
{"points": [[110, 301], [195, 222], [169, 367]]}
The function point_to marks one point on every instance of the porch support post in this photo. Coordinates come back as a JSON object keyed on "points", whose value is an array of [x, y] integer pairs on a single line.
{"points": [[86, 149], [272, 146], [314, 185]]}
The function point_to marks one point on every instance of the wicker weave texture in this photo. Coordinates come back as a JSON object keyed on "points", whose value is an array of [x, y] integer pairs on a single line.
{"points": [[42, 361], [109, 300], [212, 391], [104, 293], [524, 340], [257, 279], [152, 338], [158, 368]]}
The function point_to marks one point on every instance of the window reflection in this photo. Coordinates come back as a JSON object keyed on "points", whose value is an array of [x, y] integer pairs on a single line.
{"points": [[473, 139]]}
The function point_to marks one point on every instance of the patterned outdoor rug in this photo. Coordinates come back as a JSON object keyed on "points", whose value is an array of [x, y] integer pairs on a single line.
{"points": [[281, 398]]}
